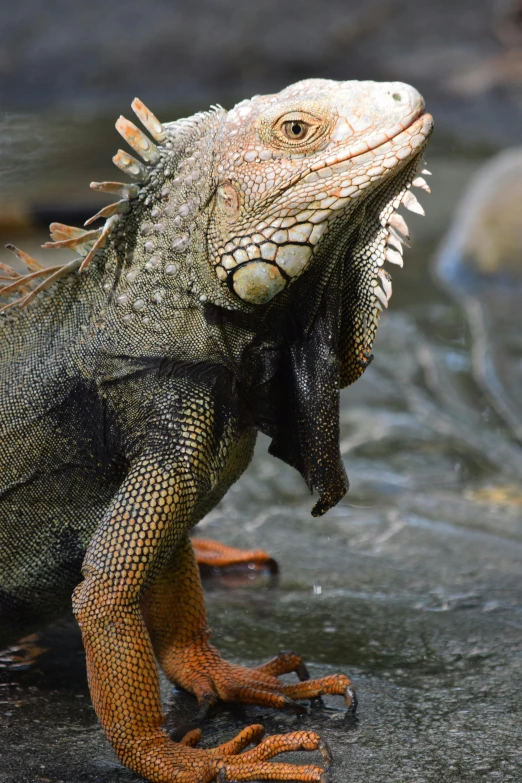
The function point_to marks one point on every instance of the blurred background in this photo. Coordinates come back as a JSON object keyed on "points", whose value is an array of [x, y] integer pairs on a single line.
{"points": [[412, 584], [68, 69]]}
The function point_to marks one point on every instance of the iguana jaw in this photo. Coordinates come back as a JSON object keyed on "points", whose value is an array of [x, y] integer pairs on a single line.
{"points": [[362, 142]]}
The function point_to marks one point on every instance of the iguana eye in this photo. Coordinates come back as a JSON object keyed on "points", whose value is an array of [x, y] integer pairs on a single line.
{"points": [[296, 130]]}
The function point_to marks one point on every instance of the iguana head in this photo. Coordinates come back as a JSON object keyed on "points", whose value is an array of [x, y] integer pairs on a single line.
{"points": [[296, 170]]}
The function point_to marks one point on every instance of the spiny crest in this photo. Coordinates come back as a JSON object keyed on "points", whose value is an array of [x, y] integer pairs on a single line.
{"points": [[87, 242], [396, 234], [23, 285]]}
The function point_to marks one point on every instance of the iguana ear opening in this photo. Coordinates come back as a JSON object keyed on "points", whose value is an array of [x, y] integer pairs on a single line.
{"points": [[228, 200], [259, 281]]}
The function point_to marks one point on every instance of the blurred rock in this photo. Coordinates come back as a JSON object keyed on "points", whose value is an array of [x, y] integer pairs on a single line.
{"points": [[480, 265], [485, 239]]}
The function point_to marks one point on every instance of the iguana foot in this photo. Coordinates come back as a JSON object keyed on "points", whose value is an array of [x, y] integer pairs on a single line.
{"points": [[23, 655], [213, 554], [160, 760], [253, 763], [200, 670]]}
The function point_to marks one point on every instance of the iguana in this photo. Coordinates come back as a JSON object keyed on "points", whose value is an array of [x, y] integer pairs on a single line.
{"points": [[235, 288]]}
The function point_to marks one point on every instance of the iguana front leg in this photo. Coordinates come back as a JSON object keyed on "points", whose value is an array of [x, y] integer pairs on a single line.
{"points": [[122, 673], [134, 553], [177, 623]]}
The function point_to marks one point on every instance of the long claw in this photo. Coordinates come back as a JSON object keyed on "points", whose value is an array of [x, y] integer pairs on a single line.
{"points": [[206, 705], [290, 704], [350, 698], [326, 753], [302, 672]]}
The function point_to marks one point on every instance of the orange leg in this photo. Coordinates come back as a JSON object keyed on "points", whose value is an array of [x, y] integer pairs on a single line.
{"points": [[125, 691], [141, 601], [213, 554]]}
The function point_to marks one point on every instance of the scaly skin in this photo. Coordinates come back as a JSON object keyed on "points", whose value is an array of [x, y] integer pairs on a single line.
{"points": [[236, 288]]}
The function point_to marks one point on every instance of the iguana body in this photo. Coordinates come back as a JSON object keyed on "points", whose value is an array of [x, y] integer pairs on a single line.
{"points": [[235, 289]]}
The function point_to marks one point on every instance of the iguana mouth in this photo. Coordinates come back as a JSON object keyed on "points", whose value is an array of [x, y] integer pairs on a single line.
{"points": [[419, 118]]}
